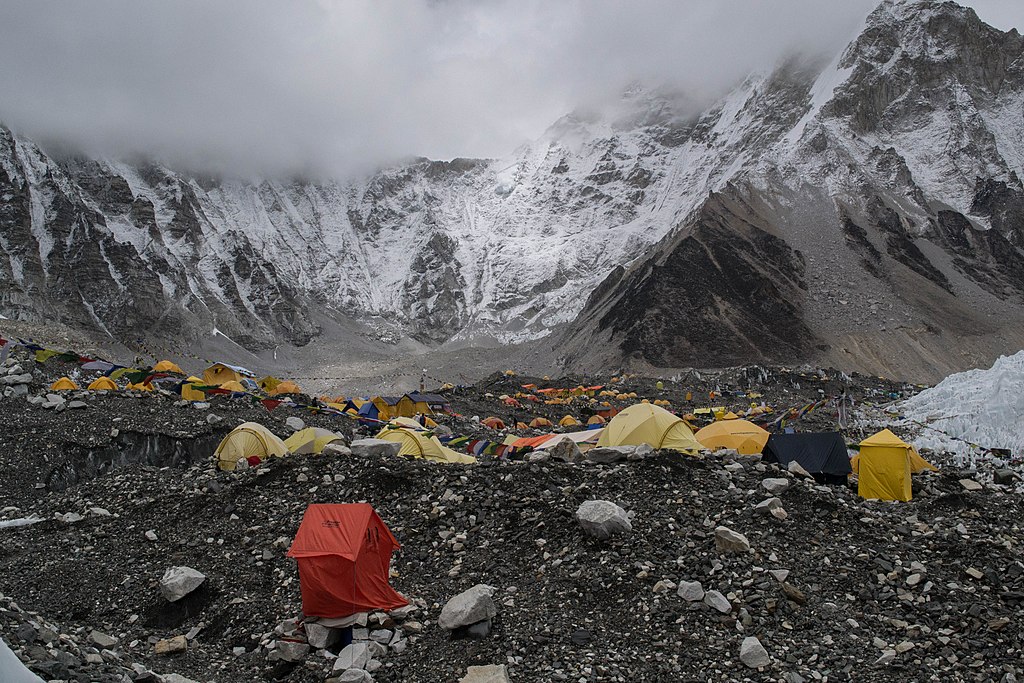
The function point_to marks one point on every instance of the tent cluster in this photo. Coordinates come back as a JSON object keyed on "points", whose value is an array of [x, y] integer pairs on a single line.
{"points": [[384, 408], [254, 443]]}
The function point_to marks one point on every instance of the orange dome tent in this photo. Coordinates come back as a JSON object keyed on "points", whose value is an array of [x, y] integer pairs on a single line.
{"points": [[168, 366], [63, 384], [286, 387], [746, 438], [233, 386], [493, 423], [102, 384], [540, 423]]}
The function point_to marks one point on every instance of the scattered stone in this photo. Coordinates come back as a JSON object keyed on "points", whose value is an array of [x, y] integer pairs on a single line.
{"points": [[319, 636], [607, 455], [970, 485], [565, 450], [367, 448], [690, 591], [294, 423], [491, 673], [469, 607], [289, 651], [797, 469], [336, 449], [102, 640], [753, 654], [766, 506], [715, 600], [177, 582], [729, 541], [171, 646], [602, 519], [353, 656], [775, 485], [886, 657]]}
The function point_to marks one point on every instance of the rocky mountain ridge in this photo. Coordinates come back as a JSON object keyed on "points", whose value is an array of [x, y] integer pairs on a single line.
{"points": [[877, 196]]}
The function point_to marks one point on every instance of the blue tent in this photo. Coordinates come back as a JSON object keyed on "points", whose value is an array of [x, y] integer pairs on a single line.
{"points": [[368, 410]]}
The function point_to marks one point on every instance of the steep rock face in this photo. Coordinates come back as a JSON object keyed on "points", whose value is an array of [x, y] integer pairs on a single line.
{"points": [[722, 290], [879, 192]]}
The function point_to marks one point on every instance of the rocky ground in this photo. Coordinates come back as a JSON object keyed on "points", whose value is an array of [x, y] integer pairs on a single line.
{"points": [[833, 587]]}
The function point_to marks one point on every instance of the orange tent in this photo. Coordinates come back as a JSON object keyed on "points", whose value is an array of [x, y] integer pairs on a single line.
{"points": [[540, 423], [344, 558], [493, 423], [286, 387], [596, 420], [532, 441]]}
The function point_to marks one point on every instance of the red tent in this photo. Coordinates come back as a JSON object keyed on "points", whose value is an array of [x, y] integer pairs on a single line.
{"points": [[344, 556]]}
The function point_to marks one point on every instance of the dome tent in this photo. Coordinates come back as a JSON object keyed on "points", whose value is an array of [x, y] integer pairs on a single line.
{"points": [[646, 423], [102, 384], [746, 438], [417, 443], [247, 440], [311, 440]]}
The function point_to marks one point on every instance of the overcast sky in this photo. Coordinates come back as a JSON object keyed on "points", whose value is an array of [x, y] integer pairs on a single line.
{"points": [[277, 87]]}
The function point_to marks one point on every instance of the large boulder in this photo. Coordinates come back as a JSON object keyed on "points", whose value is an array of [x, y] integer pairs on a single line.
{"points": [[491, 673], [289, 651], [729, 541], [177, 582], [603, 519], [607, 455], [319, 636], [337, 448], [374, 447], [468, 607], [295, 423], [354, 656], [565, 450]]}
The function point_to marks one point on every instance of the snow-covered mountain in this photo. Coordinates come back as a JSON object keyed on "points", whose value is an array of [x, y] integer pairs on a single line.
{"points": [[817, 208]]}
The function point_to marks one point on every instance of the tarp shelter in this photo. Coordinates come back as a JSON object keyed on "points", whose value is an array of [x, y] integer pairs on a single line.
{"points": [[746, 438], [568, 421], [823, 455], [493, 423], [647, 423], [416, 443], [63, 384], [884, 466], [189, 391], [248, 440], [311, 440], [168, 366], [585, 439], [219, 373], [344, 558], [102, 384]]}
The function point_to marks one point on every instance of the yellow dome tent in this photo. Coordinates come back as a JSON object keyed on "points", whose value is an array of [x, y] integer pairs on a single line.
{"points": [[189, 391], [233, 386], [744, 437], [168, 366], [141, 386], [540, 423], [884, 466], [63, 384], [102, 384], [568, 421], [596, 420], [219, 373], [647, 423], [247, 440], [269, 383], [311, 440], [418, 444]]}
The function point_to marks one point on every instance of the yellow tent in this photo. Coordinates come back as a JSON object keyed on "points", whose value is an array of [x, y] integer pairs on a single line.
{"points": [[247, 440], [189, 391], [540, 422], [168, 366], [884, 466], [311, 440], [418, 444], [744, 437], [269, 383], [596, 420], [63, 384], [647, 423], [141, 386], [286, 387], [218, 374], [102, 384], [568, 421], [232, 386]]}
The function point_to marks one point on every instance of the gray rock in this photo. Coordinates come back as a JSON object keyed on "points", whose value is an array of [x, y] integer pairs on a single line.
{"points": [[77, 405], [691, 591], [213, 419], [177, 582], [729, 541], [491, 673], [468, 607], [355, 676], [365, 448], [1004, 477], [715, 600], [796, 468], [319, 636], [609, 454], [175, 678], [354, 656], [338, 449], [970, 485], [603, 519], [102, 640], [289, 651], [753, 654], [382, 636], [565, 450], [775, 485], [886, 657], [766, 506], [295, 423]]}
